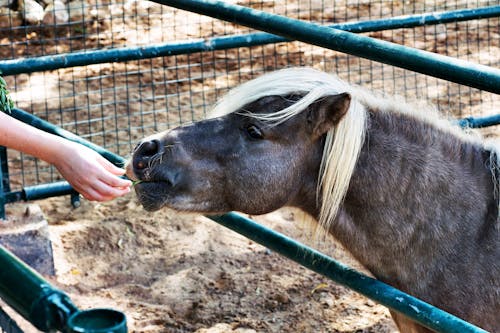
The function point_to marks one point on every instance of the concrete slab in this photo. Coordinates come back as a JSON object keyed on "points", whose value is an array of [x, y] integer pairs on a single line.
{"points": [[25, 233]]}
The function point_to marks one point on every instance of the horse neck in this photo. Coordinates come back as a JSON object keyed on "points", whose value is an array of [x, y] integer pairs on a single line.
{"points": [[416, 192]]}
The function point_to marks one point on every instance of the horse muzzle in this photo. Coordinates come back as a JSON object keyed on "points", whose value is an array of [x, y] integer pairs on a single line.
{"points": [[146, 154], [149, 163]]}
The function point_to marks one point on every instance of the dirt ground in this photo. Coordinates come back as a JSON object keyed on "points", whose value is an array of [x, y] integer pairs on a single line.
{"points": [[171, 272]]}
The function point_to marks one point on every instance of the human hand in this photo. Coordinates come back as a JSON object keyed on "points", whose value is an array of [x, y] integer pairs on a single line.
{"points": [[94, 177], [88, 172]]}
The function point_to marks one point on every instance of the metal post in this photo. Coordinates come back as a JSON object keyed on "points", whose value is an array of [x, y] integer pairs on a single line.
{"points": [[2, 199], [4, 180], [31, 296], [436, 65], [48, 308]]}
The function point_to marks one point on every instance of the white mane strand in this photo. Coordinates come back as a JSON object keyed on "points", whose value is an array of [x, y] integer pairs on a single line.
{"points": [[494, 147], [343, 143]]}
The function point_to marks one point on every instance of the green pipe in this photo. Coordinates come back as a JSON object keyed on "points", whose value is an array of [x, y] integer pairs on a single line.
{"points": [[472, 122], [421, 312], [41, 124], [417, 20], [44, 191], [436, 65], [4, 180], [8, 324], [46, 307], [3, 199], [84, 58], [97, 321]]}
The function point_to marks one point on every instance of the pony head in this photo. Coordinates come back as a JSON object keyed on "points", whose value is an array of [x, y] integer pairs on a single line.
{"points": [[264, 143]]}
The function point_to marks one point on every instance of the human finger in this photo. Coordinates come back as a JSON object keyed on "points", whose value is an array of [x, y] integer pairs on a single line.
{"points": [[107, 192], [111, 173], [110, 167], [115, 181], [90, 194]]}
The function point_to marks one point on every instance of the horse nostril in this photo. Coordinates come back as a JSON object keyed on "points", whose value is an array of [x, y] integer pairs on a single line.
{"points": [[148, 148], [144, 151]]}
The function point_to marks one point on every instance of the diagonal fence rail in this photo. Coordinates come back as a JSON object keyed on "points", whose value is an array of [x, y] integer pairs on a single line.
{"points": [[44, 306], [83, 58], [432, 64]]}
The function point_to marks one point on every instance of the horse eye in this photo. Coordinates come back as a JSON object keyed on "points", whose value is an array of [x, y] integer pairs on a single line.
{"points": [[254, 132]]}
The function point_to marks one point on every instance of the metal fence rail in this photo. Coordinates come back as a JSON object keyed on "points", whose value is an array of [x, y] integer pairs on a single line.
{"points": [[454, 70], [423, 313], [85, 58], [7, 324]]}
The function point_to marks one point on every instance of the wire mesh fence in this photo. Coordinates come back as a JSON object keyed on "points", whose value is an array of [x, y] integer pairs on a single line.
{"points": [[115, 104]]}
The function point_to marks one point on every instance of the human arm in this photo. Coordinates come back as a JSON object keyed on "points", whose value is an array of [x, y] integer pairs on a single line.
{"points": [[89, 173]]}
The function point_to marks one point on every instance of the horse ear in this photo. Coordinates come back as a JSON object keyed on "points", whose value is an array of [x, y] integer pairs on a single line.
{"points": [[328, 112]]}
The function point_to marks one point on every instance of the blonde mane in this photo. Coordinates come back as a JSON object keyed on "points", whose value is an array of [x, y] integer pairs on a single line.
{"points": [[344, 142]]}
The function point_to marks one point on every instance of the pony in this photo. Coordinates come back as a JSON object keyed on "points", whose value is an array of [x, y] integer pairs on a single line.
{"points": [[414, 198]]}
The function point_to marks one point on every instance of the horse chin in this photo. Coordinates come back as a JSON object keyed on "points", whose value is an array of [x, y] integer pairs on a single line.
{"points": [[156, 195], [151, 206], [151, 195]]}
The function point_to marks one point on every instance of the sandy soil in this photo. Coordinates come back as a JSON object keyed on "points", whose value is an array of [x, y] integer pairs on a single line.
{"points": [[171, 272]]}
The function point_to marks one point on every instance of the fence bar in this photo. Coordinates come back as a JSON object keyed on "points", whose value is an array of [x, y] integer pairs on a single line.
{"points": [[52, 62], [34, 121], [44, 191], [4, 169], [31, 296], [417, 20], [7, 324], [436, 65], [472, 122], [423, 313], [3, 199], [415, 309], [48, 308], [4, 180]]}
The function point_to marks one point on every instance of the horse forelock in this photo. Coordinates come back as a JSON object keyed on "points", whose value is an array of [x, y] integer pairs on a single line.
{"points": [[343, 143], [283, 82]]}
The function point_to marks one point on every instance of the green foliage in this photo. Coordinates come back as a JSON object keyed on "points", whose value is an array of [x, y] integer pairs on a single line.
{"points": [[6, 103]]}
